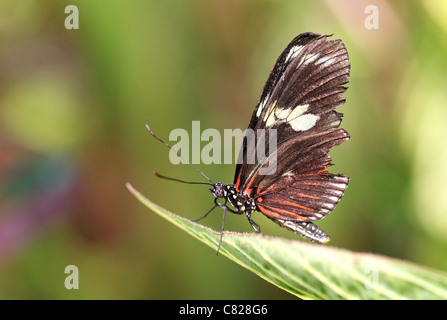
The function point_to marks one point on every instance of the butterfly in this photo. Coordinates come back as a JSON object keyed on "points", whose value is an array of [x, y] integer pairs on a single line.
{"points": [[295, 114]]}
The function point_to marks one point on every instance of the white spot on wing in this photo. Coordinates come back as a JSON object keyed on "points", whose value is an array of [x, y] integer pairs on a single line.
{"points": [[311, 57], [328, 63], [298, 49], [281, 113], [290, 54], [335, 123], [297, 111], [323, 59], [294, 51], [269, 116], [332, 198], [262, 105], [270, 120], [338, 185], [337, 192], [288, 174], [294, 117], [304, 122]]}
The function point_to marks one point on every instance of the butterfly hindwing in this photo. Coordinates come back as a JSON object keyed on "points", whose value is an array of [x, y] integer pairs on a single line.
{"points": [[303, 197]]}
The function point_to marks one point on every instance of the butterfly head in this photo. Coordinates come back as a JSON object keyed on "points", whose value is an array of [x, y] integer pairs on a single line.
{"points": [[218, 190]]}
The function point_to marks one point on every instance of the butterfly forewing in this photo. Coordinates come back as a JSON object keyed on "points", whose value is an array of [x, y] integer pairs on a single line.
{"points": [[297, 104]]}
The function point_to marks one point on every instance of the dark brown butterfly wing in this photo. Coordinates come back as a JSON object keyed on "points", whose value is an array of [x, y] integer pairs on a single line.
{"points": [[297, 109]]}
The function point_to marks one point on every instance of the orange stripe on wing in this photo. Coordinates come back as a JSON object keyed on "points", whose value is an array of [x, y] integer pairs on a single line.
{"points": [[265, 191], [307, 196], [294, 204], [248, 189], [279, 213], [323, 170]]}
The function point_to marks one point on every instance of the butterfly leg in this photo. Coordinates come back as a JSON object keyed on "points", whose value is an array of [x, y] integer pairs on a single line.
{"points": [[200, 218], [253, 224], [222, 231], [216, 204]]}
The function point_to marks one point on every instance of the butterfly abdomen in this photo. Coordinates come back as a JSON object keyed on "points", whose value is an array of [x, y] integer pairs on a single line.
{"points": [[307, 230]]}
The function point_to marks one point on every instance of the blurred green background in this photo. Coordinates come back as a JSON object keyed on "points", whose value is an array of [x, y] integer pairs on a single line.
{"points": [[73, 105]]}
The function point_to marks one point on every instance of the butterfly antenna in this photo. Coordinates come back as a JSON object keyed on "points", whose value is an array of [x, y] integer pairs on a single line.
{"points": [[178, 154], [178, 180]]}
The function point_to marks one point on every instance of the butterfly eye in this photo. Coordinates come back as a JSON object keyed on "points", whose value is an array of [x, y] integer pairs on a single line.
{"points": [[218, 190]]}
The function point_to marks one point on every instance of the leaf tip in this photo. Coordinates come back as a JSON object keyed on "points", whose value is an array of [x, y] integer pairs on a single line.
{"points": [[131, 188]]}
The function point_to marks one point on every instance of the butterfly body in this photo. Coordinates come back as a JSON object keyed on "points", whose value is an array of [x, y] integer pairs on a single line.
{"points": [[242, 203]]}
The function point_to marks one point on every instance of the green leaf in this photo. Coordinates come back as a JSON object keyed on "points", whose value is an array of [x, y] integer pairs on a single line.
{"points": [[312, 271]]}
